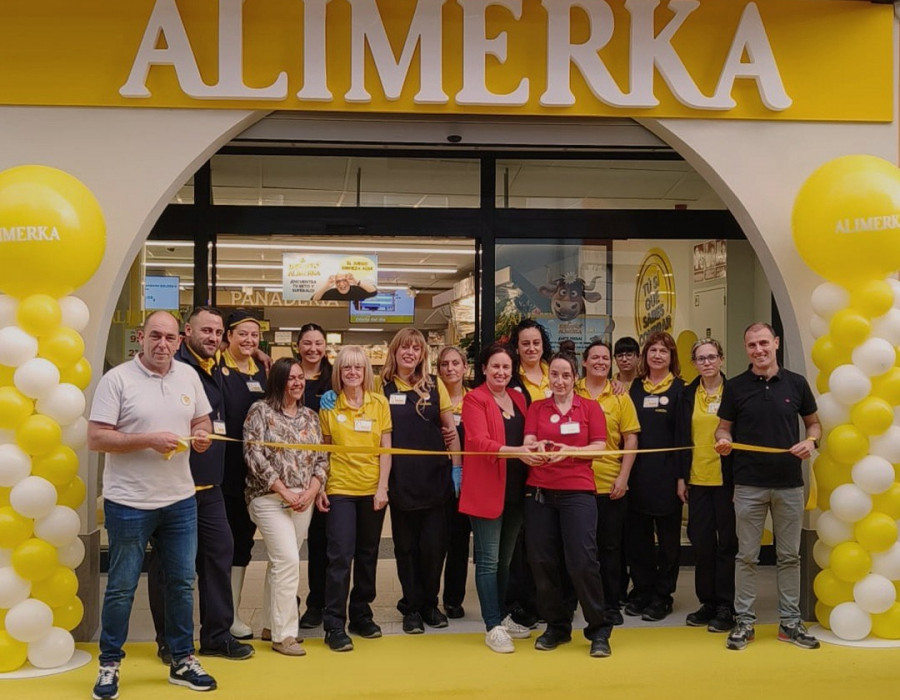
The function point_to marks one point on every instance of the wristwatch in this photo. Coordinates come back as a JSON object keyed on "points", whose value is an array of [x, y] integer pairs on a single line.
{"points": [[815, 442]]}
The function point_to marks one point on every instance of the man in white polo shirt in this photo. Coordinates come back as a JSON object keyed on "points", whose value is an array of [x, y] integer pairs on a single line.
{"points": [[140, 410]]}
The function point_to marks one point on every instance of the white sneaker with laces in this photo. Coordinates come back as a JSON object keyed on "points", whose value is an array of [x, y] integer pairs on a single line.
{"points": [[514, 629], [498, 640]]}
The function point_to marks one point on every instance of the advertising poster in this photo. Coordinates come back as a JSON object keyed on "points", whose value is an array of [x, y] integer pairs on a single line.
{"points": [[326, 277]]}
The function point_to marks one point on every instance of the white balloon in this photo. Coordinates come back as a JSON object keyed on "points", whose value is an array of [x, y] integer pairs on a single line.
{"points": [[849, 621], [848, 384], [895, 285], [15, 465], [873, 474], [5, 557], [850, 503], [53, 649], [874, 594], [833, 531], [33, 497], [887, 327], [887, 563], [72, 554], [887, 444], [8, 306], [16, 346], [818, 326], [59, 527], [822, 554], [831, 413], [29, 620], [75, 313], [874, 356], [64, 404], [829, 298], [13, 588], [75, 434], [36, 378]]}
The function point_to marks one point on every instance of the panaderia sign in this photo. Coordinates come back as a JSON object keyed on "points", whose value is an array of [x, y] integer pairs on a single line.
{"points": [[769, 59]]}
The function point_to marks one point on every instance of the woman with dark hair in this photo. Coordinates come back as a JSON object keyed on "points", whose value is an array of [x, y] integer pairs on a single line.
{"points": [[493, 489], [654, 508], [561, 509], [420, 486], [530, 344], [282, 485], [611, 472]]}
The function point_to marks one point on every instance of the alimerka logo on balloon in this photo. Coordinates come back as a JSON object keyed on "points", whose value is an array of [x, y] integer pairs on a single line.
{"points": [[20, 234], [871, 223]]}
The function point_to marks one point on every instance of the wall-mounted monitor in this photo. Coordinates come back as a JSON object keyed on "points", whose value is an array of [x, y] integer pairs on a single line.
{"points": [[385, 307], [161, 293]]}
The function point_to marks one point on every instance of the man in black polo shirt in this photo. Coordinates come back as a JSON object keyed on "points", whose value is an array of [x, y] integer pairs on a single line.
{"points": [[761, 407]]}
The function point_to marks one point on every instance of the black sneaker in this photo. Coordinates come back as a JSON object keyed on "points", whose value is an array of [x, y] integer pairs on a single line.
{"points": [[337, 640], [656, 611], [311, 619], [600, 648], [434, 618], [413, 623], [741, 636], [164, 654], [615, 617], [189, 673], [635, 607], [106, 687], [231, 649], [798, 635], [454, 612], [550, 639], [701, 617], [365, 629], [522, 617], [723, 621]]}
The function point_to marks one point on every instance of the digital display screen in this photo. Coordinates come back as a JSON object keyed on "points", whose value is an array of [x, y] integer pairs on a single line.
{"points": [[385, 307]]}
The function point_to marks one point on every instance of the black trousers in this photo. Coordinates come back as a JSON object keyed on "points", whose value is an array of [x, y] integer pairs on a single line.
{"points": [[654, 567], [711, 530], [564, 524], [456, 569], [317, 549], [242, 529], [353, 533], [611, 514], [214, 554], [420, 545]]}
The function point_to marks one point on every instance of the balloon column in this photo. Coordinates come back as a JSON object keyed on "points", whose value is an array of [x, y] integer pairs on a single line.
{"points": [[52, 238], [846, 226]]}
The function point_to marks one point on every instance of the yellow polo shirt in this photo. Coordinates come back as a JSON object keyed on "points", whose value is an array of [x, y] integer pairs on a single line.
{"points": [[621, 417], [537, 391], [446, 404], [706, 466], [355, 474]]}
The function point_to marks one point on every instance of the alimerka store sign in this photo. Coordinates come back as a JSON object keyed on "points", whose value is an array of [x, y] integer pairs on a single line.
{"points": [[769, 59]]}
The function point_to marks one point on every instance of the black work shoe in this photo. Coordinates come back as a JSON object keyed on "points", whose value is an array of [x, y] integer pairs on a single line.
{"points": [[454, 612], [634, 608], [723, 621], [522, 617], [615, 617], [701, 617], [337, 640], [366, 629], [164, 654], [798, 635], [413, 623], [549, 640], [434, 618], [600, 648], [311, 619], [656, 611], [232, 649]]}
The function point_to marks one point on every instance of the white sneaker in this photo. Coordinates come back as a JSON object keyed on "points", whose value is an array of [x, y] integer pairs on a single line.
{"points": [[498, 640], [514, 629]]}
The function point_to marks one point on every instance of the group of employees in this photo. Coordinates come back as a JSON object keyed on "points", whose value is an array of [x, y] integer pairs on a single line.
{"points": [[552, 528]]}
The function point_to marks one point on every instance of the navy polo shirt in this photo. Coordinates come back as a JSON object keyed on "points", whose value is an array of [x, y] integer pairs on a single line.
{"points": [[767, 412]]}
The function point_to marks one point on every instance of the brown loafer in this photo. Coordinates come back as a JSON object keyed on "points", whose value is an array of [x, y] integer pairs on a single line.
{"points": [[289, 647], [266, 634]]}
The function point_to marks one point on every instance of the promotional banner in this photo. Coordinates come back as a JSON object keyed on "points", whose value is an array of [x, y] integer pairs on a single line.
{"points": [[312, 277]]}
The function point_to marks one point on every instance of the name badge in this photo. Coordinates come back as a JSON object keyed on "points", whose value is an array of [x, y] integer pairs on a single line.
{"points": [[651, 402], [570, 428], [219, 427], [457, 419], [362, 425], [255, 387], [713, 407], [397, 399]]}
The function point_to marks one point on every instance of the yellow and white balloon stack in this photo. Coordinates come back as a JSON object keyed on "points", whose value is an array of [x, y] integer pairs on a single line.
{"points": [[52, 239], [846, 225]]}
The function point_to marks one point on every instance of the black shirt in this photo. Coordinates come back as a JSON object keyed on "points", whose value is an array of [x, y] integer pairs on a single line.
{"points": [[516, 469], [766, 413]]}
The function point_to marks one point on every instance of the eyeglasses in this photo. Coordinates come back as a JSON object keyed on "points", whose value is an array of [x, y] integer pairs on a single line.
{"points": [[703, 359], [624, 355]]}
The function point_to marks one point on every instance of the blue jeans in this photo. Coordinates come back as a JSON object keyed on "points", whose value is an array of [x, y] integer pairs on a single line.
{"points": [[174, 529], [494, 542]]}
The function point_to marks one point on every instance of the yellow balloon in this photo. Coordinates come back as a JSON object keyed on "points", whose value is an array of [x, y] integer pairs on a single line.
{"points": [[847, 444], [850, 562], [830, 590], [39, 314], [78, 374], [823, 613], [35, 559], [829, 474], [39, 435], [822, 382], [14, 528], [888, 502], [12, 653], [58, 467], [873, 415], [57, 230], [823, 499], [6, 375], [15, 407], [72, 494], [69, 614], [849, 328], [56, 589], [842, 216], [887, 386], [872, 298], [876, 532], [4, 495], [63, 347], [826, 354], [887, 624], [2, 619]]}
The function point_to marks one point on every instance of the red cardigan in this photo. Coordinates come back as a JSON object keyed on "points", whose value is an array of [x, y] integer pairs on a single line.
{"points": [[484, 477]]}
